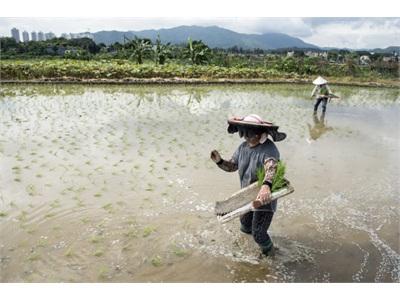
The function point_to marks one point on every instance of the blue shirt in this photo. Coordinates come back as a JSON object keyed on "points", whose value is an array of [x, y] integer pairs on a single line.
{"points": [[249, 159]]}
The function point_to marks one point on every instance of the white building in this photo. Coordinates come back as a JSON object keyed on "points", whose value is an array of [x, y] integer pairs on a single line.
{"points": [[34, 36], [365, 60], [25, 36], [15, 34], [290, 54], [41, 36], [82, 35]]}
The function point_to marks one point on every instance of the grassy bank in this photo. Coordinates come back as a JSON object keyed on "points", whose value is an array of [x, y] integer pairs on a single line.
{"points": [[125, 71]]}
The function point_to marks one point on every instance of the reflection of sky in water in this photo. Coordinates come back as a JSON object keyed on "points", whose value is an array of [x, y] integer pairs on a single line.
{"points": [[115, 183]]}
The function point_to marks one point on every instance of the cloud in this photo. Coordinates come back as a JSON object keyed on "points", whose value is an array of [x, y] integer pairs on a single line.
{"points": [[356, 33]]}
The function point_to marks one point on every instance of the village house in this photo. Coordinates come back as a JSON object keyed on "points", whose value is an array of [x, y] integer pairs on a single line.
{"points": [[364, 60]]}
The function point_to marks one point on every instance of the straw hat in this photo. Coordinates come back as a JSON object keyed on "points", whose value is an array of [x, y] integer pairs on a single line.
{"points": [[255, 123], [320, 81]]}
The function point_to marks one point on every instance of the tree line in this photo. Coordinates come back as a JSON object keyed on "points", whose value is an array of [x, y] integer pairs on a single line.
{"points": [[141, 50]]}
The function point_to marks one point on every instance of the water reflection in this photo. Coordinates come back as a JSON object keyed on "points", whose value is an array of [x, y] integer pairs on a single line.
{"points": [[319, 127]]}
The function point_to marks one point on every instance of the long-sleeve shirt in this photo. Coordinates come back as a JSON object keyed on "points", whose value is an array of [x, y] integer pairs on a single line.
{"points": [[321, 91]]}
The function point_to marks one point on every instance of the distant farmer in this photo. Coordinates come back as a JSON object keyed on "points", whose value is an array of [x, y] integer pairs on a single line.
{"points": [[258, 151], [322, 93]]}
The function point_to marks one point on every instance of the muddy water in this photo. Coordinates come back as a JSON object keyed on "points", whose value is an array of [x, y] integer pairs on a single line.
{"points": [[114, 184]]}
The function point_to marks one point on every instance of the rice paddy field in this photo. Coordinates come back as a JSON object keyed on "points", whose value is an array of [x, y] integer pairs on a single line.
{"points": [[114, 184]]}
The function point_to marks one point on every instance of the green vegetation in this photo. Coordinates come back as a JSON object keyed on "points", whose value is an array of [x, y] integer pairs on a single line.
{"points": [[83, 59], [278, 181], [148, 230], [156, 261]]}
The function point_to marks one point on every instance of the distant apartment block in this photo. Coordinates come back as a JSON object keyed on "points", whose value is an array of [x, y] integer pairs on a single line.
{"points": [[41, 36], [25, 36], [34, 36], [15, 34]]}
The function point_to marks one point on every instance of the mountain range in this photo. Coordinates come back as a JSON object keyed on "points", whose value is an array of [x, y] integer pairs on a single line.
{"points": [[213, 36]]}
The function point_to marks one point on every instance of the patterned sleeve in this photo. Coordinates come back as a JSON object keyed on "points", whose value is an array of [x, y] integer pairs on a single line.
{"points": [[270, 165]]}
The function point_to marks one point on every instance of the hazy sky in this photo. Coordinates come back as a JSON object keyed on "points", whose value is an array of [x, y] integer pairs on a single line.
{"points": [[324, 32]]}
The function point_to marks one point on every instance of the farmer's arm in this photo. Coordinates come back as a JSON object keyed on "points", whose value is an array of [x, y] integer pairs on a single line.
{"points": [[270, 166], [226, 165], [314, 91]]}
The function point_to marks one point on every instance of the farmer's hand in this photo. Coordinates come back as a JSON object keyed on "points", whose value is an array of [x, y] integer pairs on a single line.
{"points": [[215, 156], [263, 196]]}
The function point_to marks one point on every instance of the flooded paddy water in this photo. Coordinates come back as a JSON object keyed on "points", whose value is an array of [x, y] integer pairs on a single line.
{"points": [[114, 184]]}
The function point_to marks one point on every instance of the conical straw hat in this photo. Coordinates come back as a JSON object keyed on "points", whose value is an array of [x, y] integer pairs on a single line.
{"points": [[320, 81]]}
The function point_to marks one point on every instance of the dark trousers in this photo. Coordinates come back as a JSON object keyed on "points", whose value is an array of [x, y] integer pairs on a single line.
{"points": [[257, 223], [324, 101]]}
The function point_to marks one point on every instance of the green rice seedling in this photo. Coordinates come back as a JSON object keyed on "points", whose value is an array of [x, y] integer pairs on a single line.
{"points": [[49, 215], [39, 175], [55, 204], [31, 190], [22, 216], [150, 187], [98, 252], [3, 214], [17, 179], [97, 195], [179, 252], [278, 181], [34, 257], [16, 170], [80, 203], [156, 261], [108, 207], [148, 230], [85, 220], [95, 239], [69, 253], [31, 231], [103, 273], [43, 243], [131, 233]]}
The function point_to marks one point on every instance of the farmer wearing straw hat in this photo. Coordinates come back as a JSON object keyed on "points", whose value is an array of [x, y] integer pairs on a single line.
{"points": [[258, 151], [322, 93]]}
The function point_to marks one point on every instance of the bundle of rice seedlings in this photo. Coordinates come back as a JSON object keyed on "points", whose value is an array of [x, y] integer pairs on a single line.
{"points": [[278, 181]]}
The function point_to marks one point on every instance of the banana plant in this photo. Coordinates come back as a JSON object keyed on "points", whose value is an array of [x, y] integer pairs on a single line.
{"points": [[161, 52], [197, 52], [139, 47]]}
